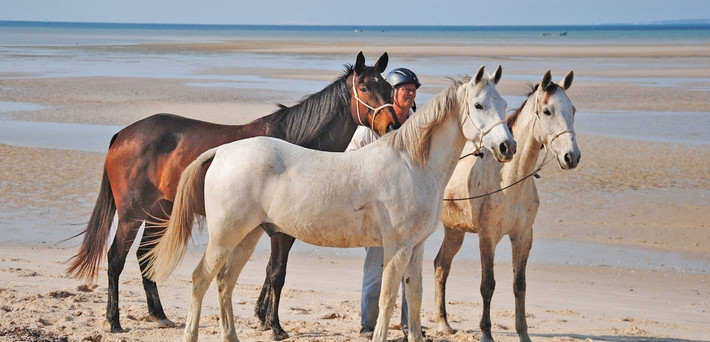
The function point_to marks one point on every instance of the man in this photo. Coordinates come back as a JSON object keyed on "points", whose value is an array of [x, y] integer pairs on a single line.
{"points": [[404, 87]]}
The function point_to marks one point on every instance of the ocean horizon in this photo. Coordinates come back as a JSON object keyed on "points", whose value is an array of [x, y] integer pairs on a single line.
{"points": [[140, 32]]}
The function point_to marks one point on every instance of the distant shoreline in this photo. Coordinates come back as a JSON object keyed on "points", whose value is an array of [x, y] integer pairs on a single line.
{"points": [[699, 24]]}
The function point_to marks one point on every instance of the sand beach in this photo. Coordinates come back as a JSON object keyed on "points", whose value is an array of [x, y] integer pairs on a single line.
{"points": [[622, 243]]}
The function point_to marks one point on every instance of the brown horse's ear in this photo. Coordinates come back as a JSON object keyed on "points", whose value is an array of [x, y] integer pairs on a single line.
{"points": [[359, 63], [546, 79], [497, 74], [567, 82], [381, 64], [479, 75]]}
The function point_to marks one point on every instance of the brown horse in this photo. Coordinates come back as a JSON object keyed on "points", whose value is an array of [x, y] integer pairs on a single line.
{"points": [[145, 160]]}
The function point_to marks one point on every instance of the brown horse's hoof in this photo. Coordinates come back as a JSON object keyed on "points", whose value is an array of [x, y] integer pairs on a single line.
{"points": [[280, 336], [115, 328]]}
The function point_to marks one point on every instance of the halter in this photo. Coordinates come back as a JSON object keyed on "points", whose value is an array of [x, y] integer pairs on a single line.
{"points": [[375, 110], [478, 145], [551, 133]]}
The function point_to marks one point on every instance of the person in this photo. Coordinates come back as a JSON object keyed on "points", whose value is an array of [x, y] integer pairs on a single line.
{"points": [[404, 87]]}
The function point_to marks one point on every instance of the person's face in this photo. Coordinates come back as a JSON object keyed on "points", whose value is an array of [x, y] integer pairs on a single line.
{"points": [[404, 95]]}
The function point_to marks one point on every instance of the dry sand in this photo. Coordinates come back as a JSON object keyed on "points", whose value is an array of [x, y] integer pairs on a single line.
{"points": [[652, 197]]}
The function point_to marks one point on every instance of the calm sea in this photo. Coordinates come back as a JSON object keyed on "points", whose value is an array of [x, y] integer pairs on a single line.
{"points": [[18, 33]]}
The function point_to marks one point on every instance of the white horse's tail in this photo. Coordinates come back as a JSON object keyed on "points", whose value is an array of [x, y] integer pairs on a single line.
{"points": [[189, 200]]}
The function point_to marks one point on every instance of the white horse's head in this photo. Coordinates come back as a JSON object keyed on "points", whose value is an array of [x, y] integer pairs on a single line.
{"points": [[555, 112], [483, 121]]}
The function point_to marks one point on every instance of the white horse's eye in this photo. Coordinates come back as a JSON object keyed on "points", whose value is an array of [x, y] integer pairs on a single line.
{"points": [[547, 112], [478, 106]]}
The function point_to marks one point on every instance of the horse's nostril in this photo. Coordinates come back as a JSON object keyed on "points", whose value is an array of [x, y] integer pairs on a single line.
{"points": [[507, 148]]}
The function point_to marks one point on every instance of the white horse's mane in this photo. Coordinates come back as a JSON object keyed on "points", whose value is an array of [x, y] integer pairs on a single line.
{"points": [[415, 134]]}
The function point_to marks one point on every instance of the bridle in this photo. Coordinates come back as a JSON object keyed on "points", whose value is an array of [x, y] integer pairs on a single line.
{"points": [[375, 110], [551, 133], [478, 145]]}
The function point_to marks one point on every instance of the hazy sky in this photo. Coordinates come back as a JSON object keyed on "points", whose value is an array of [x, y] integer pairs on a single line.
{"points": [[357, 12]]}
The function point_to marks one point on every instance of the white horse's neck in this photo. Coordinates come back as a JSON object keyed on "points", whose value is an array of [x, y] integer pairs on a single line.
{"points": [[446, 145], [526, 133]]}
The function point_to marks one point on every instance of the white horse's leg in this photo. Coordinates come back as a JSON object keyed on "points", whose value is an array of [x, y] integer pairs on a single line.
{"points": [[413, 293], [395, 261], [487, 246], [453, 239], [227, 279], [214, 258], [522, 243]]}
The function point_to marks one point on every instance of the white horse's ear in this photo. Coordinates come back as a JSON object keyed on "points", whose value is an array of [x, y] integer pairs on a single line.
{"points": [[381, 64], [497, 74], [479, 75], [546, 79], [567, 82], [359, 63]]}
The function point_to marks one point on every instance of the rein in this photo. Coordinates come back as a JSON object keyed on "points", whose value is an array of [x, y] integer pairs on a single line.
{"points": [[534, 173]]}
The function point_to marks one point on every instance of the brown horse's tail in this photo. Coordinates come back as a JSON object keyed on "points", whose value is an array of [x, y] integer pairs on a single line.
{"points": [[189, 200], [85, 264]]}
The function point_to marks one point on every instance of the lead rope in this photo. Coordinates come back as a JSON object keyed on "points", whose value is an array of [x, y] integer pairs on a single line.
{"points": [[375, 110], [534, 173]]}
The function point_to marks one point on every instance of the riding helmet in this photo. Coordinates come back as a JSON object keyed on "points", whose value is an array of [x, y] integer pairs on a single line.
{"points": [[402, 75]]}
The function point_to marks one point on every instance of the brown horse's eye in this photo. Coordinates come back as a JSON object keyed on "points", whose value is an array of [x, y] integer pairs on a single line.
{"points": [[364, 90]]}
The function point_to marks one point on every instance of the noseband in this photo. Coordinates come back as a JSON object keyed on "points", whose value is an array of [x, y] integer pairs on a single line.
{"points": [[375, 110]]}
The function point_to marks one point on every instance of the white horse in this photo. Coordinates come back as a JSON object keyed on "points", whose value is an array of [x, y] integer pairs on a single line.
{"points": [[385, 194], [495, 200]]}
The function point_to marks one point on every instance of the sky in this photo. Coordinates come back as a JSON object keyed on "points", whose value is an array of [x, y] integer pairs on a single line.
{"points": [[357, 12]]}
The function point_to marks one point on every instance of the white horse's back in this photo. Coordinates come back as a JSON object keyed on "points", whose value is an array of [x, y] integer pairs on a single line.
{"points": [[299, 191]]}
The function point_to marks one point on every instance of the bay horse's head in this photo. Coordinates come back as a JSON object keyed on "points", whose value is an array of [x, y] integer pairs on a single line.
{"points": [[372, 96], [555, 112], [483, 122]]}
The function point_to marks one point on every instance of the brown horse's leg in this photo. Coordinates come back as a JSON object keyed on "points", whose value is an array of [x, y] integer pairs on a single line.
{"points": [[521, 250], [487, 247], [125, 234], [453, 239], [151, 234], [276, 271]]}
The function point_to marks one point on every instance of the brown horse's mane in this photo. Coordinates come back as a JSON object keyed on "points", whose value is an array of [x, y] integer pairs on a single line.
{"points": [[415, 134], [309, 119], [549, 91]]}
